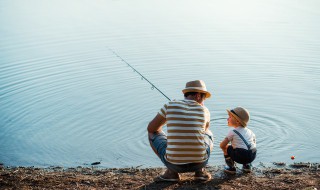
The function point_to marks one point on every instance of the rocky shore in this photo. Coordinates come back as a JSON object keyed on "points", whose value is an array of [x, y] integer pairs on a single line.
{"points": [[279, 176]]}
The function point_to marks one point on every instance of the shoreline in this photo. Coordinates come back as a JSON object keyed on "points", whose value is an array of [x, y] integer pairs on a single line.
{"points": [[279, 176]]}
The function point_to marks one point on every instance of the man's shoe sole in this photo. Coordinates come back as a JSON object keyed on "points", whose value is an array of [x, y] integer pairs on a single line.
{"points": [[171, 180], [202, 178]]}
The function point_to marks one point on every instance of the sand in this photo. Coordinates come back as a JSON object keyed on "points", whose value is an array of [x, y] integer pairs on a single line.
{"points": [[278, 176]]}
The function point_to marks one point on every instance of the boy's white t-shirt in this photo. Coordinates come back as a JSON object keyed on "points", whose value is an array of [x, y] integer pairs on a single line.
{"points": [[237, 142]]}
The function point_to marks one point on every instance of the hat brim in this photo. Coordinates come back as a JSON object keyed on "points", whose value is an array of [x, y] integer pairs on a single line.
{"points": [[237, 118], [208, 94]]}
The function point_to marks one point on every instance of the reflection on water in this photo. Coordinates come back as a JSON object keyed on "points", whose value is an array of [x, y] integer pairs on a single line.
{"points": [[67, 100]]}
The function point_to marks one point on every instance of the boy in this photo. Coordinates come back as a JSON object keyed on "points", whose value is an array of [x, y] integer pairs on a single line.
{"points": [[243, 141]]}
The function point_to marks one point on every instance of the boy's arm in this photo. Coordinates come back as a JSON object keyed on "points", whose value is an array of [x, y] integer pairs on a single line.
{"points": [[224, 143]]}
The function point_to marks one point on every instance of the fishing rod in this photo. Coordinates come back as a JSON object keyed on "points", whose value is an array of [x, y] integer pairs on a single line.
{"points": [[142, 77]]}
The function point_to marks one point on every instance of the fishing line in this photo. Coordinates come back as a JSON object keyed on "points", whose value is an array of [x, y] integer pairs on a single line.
{"points": [[142, 77]]}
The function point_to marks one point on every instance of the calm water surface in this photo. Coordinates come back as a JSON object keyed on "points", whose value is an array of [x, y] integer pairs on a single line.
{"points": [[67, 100]]}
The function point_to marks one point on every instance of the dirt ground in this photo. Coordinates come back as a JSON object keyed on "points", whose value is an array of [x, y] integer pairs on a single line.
{"points": [[279, 176]]}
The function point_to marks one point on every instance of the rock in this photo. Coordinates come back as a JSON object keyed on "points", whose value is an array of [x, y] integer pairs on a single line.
{"points": [[95, 163], [301, 165], [279, 163]]}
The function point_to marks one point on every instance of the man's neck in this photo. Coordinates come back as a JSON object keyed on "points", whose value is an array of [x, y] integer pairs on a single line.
{"points": [[189, 98], [193, 99]]}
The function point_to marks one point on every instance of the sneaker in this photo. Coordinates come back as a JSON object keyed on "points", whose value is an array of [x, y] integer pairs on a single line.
{"points": [[246, 168], [169, 175], [229, 161], [202, 175], [230, 170]]}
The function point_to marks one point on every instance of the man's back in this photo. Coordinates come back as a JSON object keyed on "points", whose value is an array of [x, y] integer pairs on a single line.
{"points": [[186, 122]]}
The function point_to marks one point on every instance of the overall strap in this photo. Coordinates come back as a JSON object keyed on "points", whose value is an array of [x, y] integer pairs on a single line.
{"points": [[249, 146]]}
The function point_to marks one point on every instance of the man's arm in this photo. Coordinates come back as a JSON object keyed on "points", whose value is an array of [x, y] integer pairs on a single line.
{"points": [[207, 126], [156, 124]]}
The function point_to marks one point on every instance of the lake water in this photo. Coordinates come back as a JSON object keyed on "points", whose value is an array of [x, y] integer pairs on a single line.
{"points": [[67, 100]]}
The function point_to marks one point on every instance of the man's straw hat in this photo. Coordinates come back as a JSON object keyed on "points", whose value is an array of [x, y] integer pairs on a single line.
{"points": [[241, 114], [197, 86]]}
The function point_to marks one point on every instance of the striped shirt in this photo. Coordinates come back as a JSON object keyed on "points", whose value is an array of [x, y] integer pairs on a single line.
{"points": [[186, 122]]}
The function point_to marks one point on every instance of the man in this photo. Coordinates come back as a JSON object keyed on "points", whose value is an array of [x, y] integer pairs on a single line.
{"points": [[189, 142]]}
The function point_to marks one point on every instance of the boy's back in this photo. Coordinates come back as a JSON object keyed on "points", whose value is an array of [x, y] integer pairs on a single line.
{"points": [[236, 140]]}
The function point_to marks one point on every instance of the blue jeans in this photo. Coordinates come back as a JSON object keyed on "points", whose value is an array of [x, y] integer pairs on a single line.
{"points": [[158, 141]]}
